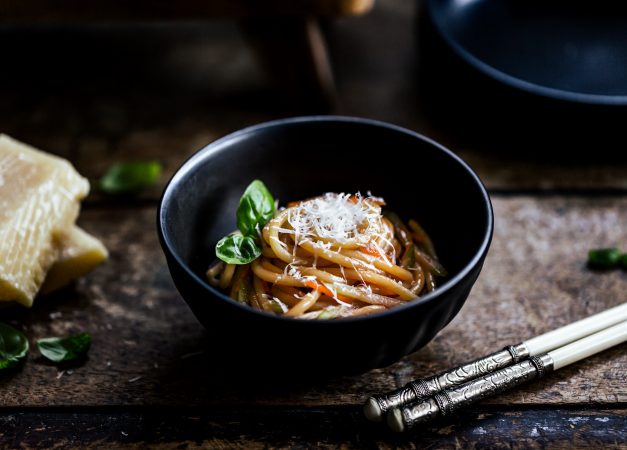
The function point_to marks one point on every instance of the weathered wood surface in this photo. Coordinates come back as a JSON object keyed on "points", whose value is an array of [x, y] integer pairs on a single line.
{"points": [[184, 87], [149, 350], [172, 140], [309, 428], [150, 379]]}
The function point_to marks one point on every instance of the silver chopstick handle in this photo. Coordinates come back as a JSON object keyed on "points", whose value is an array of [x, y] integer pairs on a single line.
{"points": [[447, 401], [425, 387]]}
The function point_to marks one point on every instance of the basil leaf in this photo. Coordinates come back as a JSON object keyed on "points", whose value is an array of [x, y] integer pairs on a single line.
{"points": [[237, 249], [130, 178], [64, 349], [13, 346], [604, 258], [256, 208]]}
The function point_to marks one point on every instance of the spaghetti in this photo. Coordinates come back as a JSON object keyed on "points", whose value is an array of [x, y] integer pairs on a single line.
{"points": [[332, 256]]}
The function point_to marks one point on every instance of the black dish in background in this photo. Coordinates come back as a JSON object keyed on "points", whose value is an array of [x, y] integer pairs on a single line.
{"points": [[304, 157], [569, 50], [502, 74]]}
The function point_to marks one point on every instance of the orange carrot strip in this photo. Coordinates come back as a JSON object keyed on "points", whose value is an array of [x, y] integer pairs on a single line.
{"points": [[326, 291], [369, 250]]}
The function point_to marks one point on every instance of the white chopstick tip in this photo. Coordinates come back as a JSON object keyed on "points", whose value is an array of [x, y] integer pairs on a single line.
{"points": [[395, 420], [576, 330], [372, 410], [588, 346]]}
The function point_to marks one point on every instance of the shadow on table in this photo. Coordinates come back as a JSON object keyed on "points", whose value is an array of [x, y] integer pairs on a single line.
{"points": [[207, 361]]}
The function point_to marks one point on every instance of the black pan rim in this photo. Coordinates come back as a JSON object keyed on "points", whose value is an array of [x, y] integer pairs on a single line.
{"points": [[516, 82]]}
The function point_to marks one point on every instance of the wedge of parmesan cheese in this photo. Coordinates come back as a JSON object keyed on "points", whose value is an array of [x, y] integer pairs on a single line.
{"points": [[39, 196], [78, 253]]}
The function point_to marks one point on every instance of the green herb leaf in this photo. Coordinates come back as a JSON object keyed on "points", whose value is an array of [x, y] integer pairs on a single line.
{"points": [[275, 306], [245, 288], [623, 261], [13, 346], [400, 229], [64, 349], [130, 178], [256, 208], [237, 249], [408, 260], [604, 258], [330, 313]]}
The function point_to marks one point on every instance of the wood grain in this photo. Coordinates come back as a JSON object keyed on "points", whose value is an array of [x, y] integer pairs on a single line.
{"points": [[152, 379], [149, 350], [319, 427]]}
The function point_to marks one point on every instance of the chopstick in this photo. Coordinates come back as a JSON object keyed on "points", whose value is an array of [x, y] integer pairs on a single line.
{"points": [[414, 391], [447, 401]]}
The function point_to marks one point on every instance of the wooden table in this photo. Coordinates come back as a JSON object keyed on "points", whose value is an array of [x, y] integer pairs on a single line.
{"points": [[150, 379]]}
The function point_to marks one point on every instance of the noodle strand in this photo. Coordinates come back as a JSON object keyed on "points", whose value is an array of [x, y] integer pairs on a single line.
{"points": [[375, 265]]}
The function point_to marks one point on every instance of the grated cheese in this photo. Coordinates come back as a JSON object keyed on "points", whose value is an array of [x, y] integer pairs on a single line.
{"points": [[340, 219]]}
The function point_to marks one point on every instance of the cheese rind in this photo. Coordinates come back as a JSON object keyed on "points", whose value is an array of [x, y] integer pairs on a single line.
{"points": [[78, 253], [39, 196]]}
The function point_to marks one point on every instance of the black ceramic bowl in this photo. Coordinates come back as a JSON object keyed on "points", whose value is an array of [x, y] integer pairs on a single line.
{"points": [[304, 157]]}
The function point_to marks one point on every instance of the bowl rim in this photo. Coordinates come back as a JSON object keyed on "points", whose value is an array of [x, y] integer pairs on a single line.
{"points": [[514, 81], [219, 145]]}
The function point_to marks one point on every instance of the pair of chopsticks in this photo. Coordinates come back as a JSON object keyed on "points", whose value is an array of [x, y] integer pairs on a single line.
{"points": [[426, 399]]}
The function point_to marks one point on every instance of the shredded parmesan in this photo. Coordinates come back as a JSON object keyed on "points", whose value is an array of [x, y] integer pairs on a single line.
{"points": [[333, 222], [337, 219]]}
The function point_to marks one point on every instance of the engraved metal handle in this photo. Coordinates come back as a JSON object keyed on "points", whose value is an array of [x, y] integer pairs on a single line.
{"points": [[447, 401], [423, 388]]}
